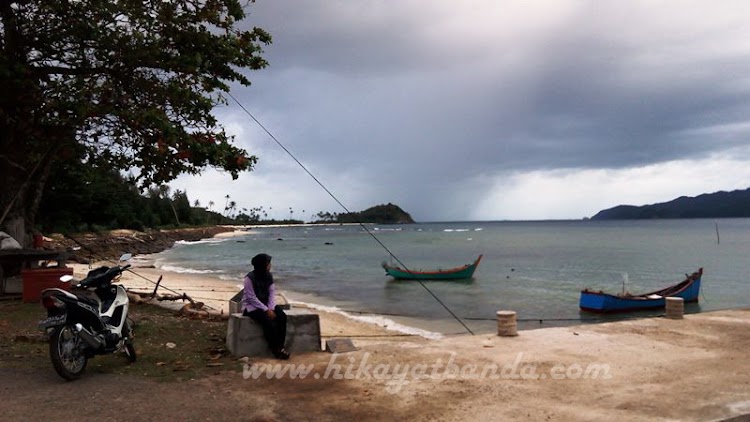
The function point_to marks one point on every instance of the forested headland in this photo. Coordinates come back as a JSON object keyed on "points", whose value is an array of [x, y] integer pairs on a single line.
{"points": [[81, 198], [722, 204]]}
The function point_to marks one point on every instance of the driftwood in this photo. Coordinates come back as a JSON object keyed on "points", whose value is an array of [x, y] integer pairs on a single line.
{"points": [[140, 297], [158, 282], [135, 298], [196, 310], [192, 309], [183, 296]]}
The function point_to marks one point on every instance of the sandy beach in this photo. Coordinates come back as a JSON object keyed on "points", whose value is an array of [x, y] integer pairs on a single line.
{"points": [[695, 369], [215, 294]]}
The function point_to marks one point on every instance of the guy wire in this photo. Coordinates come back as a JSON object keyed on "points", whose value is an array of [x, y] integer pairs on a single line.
{"points": [[130, 270], [347, 210]]}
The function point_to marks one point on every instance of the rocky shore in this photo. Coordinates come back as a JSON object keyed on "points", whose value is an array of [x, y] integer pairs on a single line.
{"points": [[86, 247]]}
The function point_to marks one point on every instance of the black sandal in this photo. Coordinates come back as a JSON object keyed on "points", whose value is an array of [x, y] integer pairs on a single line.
{"points": [[281, 354]]}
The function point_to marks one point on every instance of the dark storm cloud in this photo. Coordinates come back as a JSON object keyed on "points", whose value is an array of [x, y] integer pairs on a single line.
{"points": [[420, 97]]}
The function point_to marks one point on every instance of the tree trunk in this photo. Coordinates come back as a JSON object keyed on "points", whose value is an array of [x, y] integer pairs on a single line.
{"points": [[174, 211], [16, 228], [15, 212], [21, 197], [27, 144]]}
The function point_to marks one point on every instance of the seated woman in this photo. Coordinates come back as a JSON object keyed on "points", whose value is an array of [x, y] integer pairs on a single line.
{"points": [[259, 303]]}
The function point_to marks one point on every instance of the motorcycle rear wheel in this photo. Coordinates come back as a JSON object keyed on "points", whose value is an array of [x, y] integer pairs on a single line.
{"points": [[66, 352]]}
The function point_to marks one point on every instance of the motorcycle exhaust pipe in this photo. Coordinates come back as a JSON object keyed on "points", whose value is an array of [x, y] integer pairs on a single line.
{"points": [[88, 337]]}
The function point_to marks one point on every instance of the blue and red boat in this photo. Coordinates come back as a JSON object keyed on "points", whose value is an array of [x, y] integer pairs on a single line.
{"points": [[600, 302]]}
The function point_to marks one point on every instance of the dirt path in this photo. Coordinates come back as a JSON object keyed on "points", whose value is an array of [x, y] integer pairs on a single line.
{"points": [[40, 394], [654, 369]]}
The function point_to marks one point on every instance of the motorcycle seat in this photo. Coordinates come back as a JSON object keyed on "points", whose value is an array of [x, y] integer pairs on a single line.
{"points": [[87, 300], [99, 277]]}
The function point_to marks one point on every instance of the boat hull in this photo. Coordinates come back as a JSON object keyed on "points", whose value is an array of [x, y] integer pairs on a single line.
{"points": [[600, 302], [459, 273]]}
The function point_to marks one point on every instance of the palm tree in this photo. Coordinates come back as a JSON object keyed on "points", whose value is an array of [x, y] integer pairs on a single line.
{"points": [[164, 193], [226, 204], [210, 208]]}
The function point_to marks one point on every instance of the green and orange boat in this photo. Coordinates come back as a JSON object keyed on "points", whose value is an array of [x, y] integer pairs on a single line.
{"points": [[458, 273]]}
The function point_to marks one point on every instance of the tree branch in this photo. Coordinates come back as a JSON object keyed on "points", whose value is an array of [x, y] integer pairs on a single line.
{"points": [[59, 70]]}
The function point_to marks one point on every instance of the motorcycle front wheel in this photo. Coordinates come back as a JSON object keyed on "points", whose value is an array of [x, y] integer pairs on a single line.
{"points": [[129, 347], [66, 352]]}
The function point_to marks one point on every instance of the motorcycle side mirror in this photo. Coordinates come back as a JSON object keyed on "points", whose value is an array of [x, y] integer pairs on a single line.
{"points": [[126, 257], [66, 278]]}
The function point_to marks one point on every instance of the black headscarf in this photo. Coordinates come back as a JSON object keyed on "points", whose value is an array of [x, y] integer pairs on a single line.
{"points": [[261, 277]]}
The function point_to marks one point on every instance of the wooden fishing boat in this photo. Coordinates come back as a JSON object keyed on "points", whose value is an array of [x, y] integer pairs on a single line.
{"points": [[457, 273], [598, 301]]}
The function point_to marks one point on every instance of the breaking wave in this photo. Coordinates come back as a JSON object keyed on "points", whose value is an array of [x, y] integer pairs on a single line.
{"points": [[182, 270], [378, 320]]}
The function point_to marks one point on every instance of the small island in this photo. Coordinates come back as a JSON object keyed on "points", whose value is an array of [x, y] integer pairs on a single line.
{"points": [[379, 214]]}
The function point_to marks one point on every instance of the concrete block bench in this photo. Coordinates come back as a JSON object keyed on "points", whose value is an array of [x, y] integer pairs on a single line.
{"points": [[245, 336], [235, 303]]}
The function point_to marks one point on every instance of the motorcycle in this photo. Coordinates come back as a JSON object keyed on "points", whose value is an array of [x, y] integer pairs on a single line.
{"points": [[90, 320]]}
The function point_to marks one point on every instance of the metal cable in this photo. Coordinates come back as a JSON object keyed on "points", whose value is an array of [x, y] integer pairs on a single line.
{"points": [[347, 210], [101, 258]]}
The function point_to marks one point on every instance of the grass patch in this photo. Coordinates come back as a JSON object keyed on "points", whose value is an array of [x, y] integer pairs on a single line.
{"points": [[169, 347]]}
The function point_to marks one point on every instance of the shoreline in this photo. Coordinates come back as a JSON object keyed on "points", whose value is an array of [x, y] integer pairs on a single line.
{"points": [[215, 293], [694, 368], [555, 306]]}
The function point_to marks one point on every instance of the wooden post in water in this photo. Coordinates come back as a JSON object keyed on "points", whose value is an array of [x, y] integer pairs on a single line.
{"points": [[718, 239], [507, 324], [674, 307]]}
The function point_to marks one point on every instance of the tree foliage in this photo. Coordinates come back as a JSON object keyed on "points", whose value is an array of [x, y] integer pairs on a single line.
{"points": [[129, 83], [91, 198]]}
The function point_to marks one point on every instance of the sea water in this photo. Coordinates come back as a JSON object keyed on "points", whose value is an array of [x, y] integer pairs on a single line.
{"points": [[535, 268]]}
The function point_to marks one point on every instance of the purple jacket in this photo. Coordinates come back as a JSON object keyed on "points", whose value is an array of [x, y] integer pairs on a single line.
{"points": [[250, 301]]}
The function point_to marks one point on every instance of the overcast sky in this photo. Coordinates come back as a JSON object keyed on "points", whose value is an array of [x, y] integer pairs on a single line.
{"points": [[491, 110]]}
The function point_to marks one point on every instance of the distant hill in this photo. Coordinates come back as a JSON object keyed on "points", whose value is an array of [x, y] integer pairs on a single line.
{"points": [[381, 214], [710, 205]]}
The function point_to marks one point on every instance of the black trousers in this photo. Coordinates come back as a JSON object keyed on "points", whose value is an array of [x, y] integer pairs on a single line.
{"points": [[274, 330]]}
